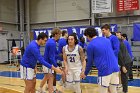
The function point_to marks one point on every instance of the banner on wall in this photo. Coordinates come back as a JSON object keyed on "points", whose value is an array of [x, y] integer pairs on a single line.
{"points": [[136, 32], [126, 5], [101, 6], [79, 30]]}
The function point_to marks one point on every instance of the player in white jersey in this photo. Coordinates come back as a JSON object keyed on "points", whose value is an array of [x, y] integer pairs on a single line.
{"points": [[74, 62]]}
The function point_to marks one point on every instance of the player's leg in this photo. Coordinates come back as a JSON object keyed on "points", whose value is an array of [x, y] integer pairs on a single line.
{"points": [[102, 89], [50, 83], [69, 80], [29, 78], [48, 76], [114, 82], [103, 83], [28, 86], [76, 86], [34, 84]]}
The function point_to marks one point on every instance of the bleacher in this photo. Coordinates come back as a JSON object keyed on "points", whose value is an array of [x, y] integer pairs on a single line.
{"points": [[136, 54]]}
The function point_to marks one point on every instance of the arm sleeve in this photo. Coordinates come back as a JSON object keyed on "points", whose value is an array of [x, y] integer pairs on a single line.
{"points": [[60, 47], [116, 46], [52, 54], [36, 52], [89, 59], [130, 50]]}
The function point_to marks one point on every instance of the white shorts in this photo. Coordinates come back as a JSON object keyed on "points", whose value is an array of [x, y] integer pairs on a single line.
{"points": [[27, 73], [47, 70], [73, 75], [112, 79]]}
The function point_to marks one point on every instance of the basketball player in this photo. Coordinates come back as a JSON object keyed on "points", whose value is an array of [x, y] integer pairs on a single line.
{"points": [[74, 62], [61, 43], [29, 60], [99, 51], [82, 43], [50, 56], [114, 40]]}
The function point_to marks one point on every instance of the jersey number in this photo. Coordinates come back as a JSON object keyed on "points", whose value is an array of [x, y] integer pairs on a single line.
{"points": [[72, 59]]}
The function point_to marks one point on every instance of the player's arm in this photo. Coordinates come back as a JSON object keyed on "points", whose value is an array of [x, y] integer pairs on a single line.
{"points": [[116, 46], [89, 59], [39, 57], [52, 54], [130, 50], [65, 60], [82, 56]]}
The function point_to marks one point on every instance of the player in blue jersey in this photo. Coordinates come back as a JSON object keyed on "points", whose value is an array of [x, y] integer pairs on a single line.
{"points": [[82, 43], [99, 51], [114, 40], [61, 43], [74, 62], [50, 56], [29, 61]]}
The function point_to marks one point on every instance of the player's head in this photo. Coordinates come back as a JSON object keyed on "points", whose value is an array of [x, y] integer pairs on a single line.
{"points": [[118, 34], [42, 38], [105, 29], [72, 39], [82, 39], [90, 33], [64, 33], [56, 33], [124, 37]]}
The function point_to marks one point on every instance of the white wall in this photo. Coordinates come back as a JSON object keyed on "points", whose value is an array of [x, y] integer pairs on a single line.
{"points": [[43, 10], [8, 21], [8, 10]]}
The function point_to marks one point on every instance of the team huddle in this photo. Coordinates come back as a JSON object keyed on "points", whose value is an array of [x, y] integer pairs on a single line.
{"points": [[108, 54]]}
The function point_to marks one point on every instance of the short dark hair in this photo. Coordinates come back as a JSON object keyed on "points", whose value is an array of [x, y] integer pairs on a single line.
{"points": [[118, 32], [64, 32], [125, 36], [91, 32], [106, 26], [42, 36], [113, 33], [75, 38]]}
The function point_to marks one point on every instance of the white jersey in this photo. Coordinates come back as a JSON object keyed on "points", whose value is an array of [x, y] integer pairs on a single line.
{"points": [[73, 58]]}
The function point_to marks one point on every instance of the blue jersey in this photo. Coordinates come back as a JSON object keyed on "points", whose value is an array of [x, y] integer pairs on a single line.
{"points": [[100, 51], [115, 44], [51, 52], [128, 48], [31, 55], [83, 45], [61, 43]]}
